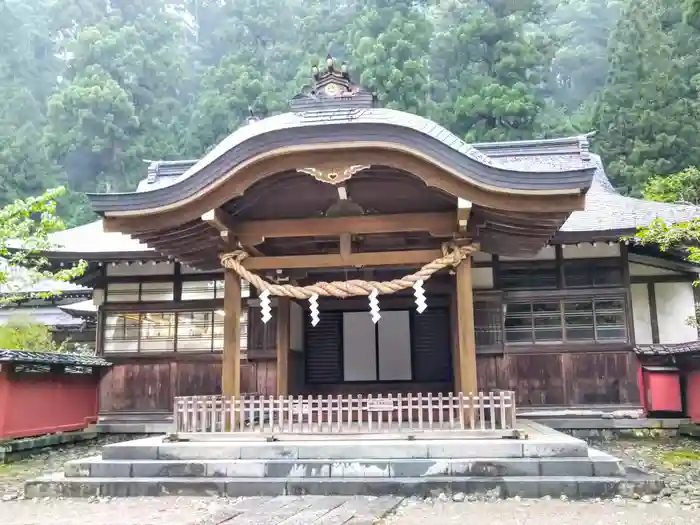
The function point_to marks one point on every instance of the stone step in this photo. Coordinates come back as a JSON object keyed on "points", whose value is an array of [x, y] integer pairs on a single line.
{"points": [[157, 448], [96, 467], [575, 487]]}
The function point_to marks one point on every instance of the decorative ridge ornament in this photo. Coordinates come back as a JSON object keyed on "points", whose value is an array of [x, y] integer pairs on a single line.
{"points": [[333, 86], [333, 174]]}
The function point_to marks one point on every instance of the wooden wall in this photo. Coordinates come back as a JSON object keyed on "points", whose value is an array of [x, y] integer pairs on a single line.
{"points": [[563, 379], [149, 385]]}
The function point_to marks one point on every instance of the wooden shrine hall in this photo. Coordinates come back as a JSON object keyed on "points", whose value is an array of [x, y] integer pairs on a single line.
{"points": [[342, 248], [339, 190]]}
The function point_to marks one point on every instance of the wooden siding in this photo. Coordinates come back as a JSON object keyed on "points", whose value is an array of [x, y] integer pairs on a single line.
{"points": [[563, 379], [262, 337], [149, 385]]}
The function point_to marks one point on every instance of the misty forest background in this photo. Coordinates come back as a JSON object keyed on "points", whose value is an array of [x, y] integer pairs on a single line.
{"points": [[89, 89]]}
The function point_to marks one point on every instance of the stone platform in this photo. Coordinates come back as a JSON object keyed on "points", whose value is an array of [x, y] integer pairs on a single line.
{"points": [[543, 462]]}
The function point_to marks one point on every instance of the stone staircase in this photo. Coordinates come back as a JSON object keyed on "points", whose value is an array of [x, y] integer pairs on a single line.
{"points": [[544, 463]]}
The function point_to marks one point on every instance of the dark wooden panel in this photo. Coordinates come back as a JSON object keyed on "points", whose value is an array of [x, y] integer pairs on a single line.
{"points": [[379, 388], [137, 386], [262, 337], [196, 378], [249, 377], [295, 371], [538, 379], [599, 378], [266, 378], [324, 349], [563, 379], [432, 352]]}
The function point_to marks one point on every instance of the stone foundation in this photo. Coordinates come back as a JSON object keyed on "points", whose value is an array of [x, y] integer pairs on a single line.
{"points": [[544, 462]]}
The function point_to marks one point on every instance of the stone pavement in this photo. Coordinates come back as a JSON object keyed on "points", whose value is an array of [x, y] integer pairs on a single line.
{"points": [[541, 512], [280, 510], [330, 510]]}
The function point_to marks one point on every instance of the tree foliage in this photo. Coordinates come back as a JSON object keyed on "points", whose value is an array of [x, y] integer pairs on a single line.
{"points": [[25, 228], [90, 89], [682, 187], [21, 332]]}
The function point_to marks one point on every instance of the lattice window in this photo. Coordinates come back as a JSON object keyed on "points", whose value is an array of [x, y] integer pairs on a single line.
{"points": [[593, 274], [600, 320], [187, 331], [528, 276]]}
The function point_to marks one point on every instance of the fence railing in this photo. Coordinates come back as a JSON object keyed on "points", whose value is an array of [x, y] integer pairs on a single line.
{"points": [[494, 411]]}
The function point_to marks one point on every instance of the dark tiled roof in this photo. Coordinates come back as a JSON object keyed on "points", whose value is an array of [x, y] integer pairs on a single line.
{"points": [[606, 210], [668, 349], [45, 358]]}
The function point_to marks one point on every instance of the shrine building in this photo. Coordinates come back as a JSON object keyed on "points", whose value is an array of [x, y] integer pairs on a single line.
{"points": [[393, 258]]}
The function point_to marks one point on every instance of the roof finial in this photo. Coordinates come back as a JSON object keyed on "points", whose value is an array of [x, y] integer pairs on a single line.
{"points": [[583, 146], [332, 85]]}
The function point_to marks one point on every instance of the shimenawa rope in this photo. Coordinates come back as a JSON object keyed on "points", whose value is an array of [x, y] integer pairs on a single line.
{"points": [[452, 256]]}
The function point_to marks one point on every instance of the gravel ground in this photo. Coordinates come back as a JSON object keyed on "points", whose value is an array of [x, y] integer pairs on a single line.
{"points": [[676, 461], [13, 475], [127, 511], [539, 512]]}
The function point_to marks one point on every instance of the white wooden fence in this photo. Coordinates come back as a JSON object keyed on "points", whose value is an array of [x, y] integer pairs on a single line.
{"points": [[346, 414]]}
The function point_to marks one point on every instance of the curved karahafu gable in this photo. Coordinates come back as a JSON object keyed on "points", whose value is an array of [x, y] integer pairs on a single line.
{"points": [[333, 127]]}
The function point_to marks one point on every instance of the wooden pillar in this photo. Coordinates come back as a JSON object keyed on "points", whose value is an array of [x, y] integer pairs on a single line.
{"points": [[283, 310], [465, 362], [231, 360], [454, 338]]}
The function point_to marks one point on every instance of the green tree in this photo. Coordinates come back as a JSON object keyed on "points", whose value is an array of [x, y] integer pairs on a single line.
{"points": [[647, 115], [489, 61], [25, 228], [388, 50], [682, 187], [580, 61], [28, 71], [121, 99], [21, 332]]}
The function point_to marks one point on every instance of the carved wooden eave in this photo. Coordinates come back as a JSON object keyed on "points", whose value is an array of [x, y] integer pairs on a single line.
{"points": [[334, 135]]}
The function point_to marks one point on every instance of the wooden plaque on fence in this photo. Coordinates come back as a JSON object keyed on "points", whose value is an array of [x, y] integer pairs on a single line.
{"points": [[380, 405]]}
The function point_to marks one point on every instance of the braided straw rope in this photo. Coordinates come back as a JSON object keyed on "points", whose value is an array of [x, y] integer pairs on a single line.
{"points": [[452, 256]]}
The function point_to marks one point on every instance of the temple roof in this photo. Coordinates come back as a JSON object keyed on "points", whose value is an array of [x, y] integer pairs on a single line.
{"points": [[53, 316], [607, 214], [20, 356], [691, 347], [349, 125]]}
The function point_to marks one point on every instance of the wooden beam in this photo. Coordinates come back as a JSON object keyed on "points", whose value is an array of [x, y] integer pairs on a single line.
{"points": [[231, 359], [408, 257], [345, 245], [222, 221], [464, 208], [466, 346], [436, 223], [653, 313], [219, 219], [282, 313]]}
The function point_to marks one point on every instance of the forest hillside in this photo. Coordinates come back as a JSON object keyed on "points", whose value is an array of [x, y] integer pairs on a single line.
{"points": [[91, 89]]}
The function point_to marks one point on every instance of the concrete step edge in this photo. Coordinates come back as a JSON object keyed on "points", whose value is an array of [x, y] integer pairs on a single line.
{"points": [[531, 487], [366, 468]]}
